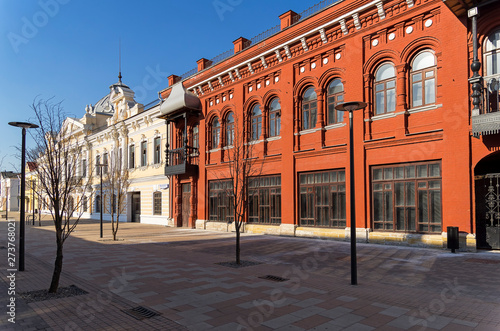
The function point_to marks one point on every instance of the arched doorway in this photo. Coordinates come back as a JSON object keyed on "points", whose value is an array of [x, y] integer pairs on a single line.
{"points": [[487, 195]]}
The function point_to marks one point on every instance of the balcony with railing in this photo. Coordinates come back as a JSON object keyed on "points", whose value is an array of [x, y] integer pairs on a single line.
{"points": [[487, 122], [182, 161]]}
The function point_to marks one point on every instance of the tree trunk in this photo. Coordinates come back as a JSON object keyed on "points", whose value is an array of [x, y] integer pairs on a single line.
{"points": [[54, 284], [237, 244]]}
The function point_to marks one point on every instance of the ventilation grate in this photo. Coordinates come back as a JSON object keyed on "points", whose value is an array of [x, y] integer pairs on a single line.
{"points": [[274, 278], [141, 313]]}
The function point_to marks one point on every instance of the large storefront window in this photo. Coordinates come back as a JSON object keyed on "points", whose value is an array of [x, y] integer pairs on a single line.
{"points": [[322, 199], [220, 202], [264, 200], [407, 197]]}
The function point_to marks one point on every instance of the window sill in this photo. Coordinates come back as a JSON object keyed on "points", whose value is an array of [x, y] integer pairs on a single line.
{"points": [[335, 126], [424, 108], [383, 116], [254, 142], [213, 150], [303, 132], [273, 138]]}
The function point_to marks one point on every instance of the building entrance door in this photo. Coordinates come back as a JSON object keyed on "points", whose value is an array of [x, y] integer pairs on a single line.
{"points": [[488, 211], [136, 207], [186, 204]]}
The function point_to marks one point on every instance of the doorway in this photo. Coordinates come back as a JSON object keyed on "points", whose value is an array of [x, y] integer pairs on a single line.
{"points": [[136, 207], [186, 204]]}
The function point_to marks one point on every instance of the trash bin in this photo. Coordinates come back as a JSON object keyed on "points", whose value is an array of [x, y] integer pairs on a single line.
{"points": [[453, 242]]}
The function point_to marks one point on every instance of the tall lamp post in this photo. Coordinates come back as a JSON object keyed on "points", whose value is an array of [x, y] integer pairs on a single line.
{"points": [[24, 126], [350, 107], [33, 199]]}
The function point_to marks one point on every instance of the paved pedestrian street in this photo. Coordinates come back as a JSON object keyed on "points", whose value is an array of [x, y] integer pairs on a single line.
{"points": [[174, 276]]}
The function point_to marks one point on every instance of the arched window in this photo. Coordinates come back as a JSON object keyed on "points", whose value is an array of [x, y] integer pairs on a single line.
{"points": [[309, 109], [97, 203], [274, 117], [385, 89], [423, 79], [491, 53], [230, 129], [215, 132], [335, 96], [256, 121]]}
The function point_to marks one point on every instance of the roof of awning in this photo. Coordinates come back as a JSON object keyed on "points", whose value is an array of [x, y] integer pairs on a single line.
{"points": [[178, 100], [460, 7]]}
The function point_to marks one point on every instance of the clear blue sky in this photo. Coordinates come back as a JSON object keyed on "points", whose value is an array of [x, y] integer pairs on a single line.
{"points": [[68, 49]]}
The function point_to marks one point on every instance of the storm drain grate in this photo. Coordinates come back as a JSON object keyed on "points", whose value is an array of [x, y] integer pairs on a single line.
{"points": [[141, 313], [274, 278]]}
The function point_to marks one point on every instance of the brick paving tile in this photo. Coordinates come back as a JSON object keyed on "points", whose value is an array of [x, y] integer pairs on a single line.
{"points": [[311, 322], [174, 272]]}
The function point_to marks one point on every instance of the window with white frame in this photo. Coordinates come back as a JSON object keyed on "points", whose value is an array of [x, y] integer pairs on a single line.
{"points": [[274, 117], [144, 153], [309, 109], [335, 96], [230, 129], [131, 156], [423, 79], [385, 89], [157, 203], [157, 147]]}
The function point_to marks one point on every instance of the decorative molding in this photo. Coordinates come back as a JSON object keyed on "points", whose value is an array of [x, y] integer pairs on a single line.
{"points": [[237, 72], [231, 76], [278, 55], [287, 51], [409, 3], [250, 67], [220, 81], [263, 59], [343, 26], [355, 17], [323, 35], [304, 44], [210, 85], [380, 8]]}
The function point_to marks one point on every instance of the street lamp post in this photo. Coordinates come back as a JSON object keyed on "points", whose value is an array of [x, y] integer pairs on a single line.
{"points": [[350, 107], [33, 199], [24, 126]]}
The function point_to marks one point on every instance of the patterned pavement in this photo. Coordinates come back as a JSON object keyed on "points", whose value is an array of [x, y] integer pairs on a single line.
{"points": [[175, 273]]}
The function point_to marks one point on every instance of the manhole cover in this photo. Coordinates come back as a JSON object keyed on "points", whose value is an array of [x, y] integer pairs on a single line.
{"points": [[141, 313], [274, 278]]}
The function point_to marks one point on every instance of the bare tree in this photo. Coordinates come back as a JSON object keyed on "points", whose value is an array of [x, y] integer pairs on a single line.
{"points": [[242, 164], [117, 184], [57, 152]]}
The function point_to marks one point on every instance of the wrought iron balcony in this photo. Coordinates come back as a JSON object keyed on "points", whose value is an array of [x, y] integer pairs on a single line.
{"points": [[181, 161], [487, 122]]}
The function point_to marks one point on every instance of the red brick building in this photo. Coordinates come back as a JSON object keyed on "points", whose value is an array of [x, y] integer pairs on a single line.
{"points": [[425, 149]]}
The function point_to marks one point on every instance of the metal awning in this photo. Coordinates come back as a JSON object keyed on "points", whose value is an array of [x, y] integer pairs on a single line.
{"points": [[179, 100], [486, 124], [460, 7]]}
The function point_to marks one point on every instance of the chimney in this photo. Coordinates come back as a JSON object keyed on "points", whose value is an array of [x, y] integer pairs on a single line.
{"points": [[203, 63], [239, 44], [288, 19], [172, 79]]}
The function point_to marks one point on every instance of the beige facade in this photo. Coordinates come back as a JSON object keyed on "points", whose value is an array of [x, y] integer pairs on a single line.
{"points": [[118, 130]]}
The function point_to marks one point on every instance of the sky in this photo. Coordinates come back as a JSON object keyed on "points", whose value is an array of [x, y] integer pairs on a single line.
{"points": [[68, 50]]}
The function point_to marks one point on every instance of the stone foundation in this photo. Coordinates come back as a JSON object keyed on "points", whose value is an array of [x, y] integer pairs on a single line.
{"points": [[363, 235]]}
